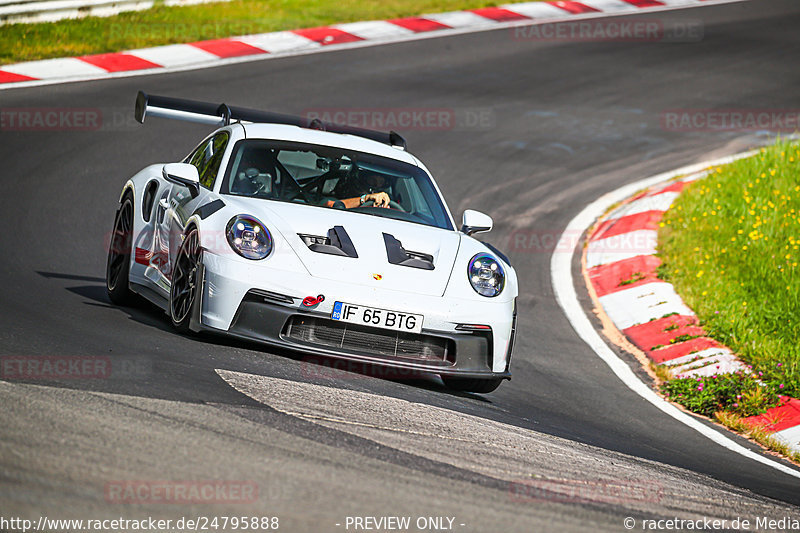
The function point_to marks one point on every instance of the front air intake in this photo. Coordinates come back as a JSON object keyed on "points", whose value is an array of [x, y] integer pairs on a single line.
{"points": [[371, 341]]}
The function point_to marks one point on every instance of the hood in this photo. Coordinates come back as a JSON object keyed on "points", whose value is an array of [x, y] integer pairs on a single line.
{"points": [[424, 269]]}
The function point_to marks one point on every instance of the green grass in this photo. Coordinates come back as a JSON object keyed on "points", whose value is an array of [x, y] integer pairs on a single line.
{"points": [[636, 276], [166, 25], [738, 393], [731, 247]]}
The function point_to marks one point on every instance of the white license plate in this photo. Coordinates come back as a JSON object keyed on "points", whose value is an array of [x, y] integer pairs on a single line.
{"points": [[378, 318]]}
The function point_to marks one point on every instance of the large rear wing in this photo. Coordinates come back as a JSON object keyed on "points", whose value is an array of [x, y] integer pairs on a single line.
{"points": [[223, 114]]}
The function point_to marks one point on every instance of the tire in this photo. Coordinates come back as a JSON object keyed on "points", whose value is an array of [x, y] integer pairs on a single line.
{"points": [[184, 288], [118, 265], [479, 385]]}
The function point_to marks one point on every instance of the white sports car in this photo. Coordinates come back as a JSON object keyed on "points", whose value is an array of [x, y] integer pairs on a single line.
{"points": [[327, 239]]}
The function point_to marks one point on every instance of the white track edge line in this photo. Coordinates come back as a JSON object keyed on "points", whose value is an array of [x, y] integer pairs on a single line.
{"points": [[562, 280], [348, 46]]}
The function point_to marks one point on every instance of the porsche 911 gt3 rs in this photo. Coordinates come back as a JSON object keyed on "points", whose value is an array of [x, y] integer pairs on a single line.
{"points": [[326, 239]]}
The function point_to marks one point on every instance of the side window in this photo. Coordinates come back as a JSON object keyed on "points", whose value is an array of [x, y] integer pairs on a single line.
{"points": [[207, 158]]}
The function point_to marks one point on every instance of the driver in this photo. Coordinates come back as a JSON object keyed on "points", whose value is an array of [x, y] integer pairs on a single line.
{"points": [[371, 187]]}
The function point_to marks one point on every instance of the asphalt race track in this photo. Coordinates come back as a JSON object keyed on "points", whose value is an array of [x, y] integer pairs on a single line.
{"points": [[560, 124]]}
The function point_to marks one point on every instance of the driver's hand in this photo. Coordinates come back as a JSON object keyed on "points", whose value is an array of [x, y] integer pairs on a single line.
{"points": [[381, 199]]}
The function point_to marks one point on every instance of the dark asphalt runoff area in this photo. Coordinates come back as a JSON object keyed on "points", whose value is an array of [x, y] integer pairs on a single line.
{"points": [[543, 129]]}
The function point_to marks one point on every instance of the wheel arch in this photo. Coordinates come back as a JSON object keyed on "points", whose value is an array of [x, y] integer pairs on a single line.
{"points": [[194, 221], [129, 188]]}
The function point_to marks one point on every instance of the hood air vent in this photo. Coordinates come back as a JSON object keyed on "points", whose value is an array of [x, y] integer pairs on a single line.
{"points": [[398, 255], [336, 243]]}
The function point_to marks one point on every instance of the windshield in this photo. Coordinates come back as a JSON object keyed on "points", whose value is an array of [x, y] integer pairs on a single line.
{"points": [[333, 178]]}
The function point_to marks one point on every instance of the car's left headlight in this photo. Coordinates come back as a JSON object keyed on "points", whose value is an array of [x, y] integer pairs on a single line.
{"points": [[249, 237], [486, 275]]}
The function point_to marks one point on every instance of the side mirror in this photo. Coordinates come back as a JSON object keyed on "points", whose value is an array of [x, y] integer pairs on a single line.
{"points": [[183, 174], [475, 222]]}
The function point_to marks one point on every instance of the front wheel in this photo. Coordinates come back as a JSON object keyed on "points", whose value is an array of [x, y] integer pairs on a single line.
{"points": [[479, 385], [118, 265], [184, 289]]}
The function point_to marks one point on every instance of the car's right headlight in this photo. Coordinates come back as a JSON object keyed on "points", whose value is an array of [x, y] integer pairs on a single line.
{"points": [[249, 237], [486, 275]]}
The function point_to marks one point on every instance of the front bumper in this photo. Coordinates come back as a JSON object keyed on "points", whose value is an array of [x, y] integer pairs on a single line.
{"points": [[244, 301], [466, 355]]}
